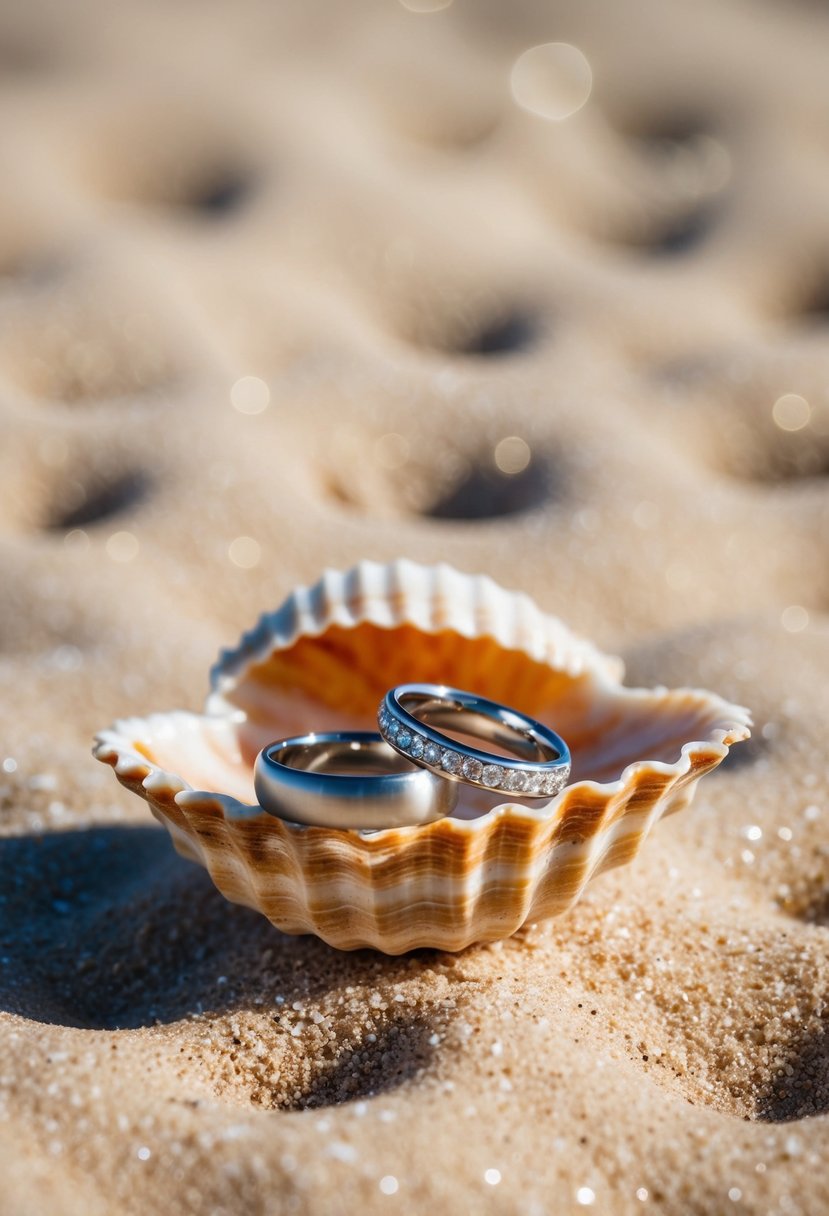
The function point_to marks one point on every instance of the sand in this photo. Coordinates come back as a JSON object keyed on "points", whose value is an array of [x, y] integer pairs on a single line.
{"points": [[345, 202]]}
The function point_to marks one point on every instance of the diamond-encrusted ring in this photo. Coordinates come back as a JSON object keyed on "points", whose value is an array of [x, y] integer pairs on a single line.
{"points": [[413, 717], [347, 779]]}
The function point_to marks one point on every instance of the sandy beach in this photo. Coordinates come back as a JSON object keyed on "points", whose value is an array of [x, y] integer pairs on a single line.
{"points": [[288, 286]]}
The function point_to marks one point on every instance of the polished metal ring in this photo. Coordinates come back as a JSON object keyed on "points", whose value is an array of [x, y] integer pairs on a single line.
{"points": [[347, 779], [412, 718]]}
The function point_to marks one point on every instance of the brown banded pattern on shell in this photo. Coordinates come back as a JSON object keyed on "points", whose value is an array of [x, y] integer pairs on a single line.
{"points": [[322, 661]]}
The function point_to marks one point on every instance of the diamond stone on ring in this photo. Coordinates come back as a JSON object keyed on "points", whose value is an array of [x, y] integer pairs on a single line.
{"points": [[412, 719]]}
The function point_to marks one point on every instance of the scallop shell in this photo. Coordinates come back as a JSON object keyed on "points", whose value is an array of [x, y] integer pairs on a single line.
{"points": [[322, 661]]}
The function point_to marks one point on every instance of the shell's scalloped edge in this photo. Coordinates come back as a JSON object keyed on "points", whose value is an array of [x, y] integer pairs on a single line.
{"points": [[116, 746], [432, 598]]}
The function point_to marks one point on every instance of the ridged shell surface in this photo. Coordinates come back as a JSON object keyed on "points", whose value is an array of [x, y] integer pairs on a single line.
{"points": [[322, 662]]}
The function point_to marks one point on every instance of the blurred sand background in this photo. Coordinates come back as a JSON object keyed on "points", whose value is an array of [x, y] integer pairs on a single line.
{"points": [[285, 285]]}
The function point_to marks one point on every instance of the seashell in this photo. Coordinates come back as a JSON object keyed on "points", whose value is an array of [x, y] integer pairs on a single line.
{"points": [[322, 661]]}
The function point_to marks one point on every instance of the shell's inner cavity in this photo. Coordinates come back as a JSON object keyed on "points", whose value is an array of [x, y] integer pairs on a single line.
{"points": [[349, 670], [336, 680]]}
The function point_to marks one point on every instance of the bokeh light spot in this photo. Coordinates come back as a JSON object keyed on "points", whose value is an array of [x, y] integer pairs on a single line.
{"points": [[122, 546], [425, 6], [512, 455], [250, 395], [244, 552], [791, 412], [794, 619], [552, 80]]}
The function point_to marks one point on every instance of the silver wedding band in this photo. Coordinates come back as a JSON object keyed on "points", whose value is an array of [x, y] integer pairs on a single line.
{"points": [[410, 718], [348, 779]]}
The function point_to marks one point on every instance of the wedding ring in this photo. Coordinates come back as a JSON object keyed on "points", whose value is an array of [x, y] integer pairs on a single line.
{"points": [[343, 779], [411, 717]]}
